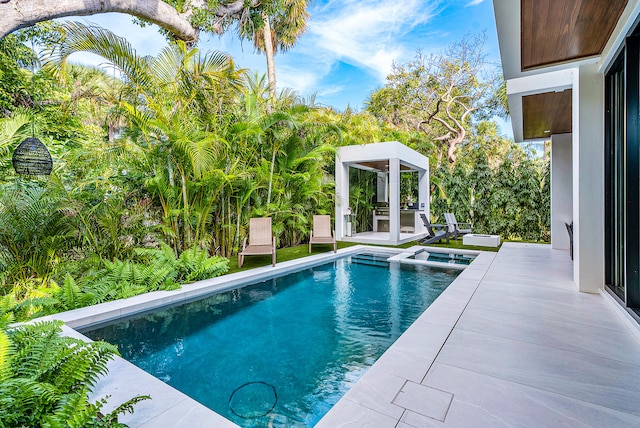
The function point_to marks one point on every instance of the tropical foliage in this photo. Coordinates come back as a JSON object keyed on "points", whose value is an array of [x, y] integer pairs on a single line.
{"points": [[160, 162], [45, 378], [497, 186]]}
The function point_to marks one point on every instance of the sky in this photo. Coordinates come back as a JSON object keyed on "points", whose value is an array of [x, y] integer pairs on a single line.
{"points": [[349, 46]]}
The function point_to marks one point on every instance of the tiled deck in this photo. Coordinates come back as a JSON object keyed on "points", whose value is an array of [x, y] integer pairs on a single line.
{"points": [[510, 343]]}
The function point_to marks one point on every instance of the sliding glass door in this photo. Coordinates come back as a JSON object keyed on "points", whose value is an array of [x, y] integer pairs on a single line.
{"points": [[622, 173], [615, 191]]}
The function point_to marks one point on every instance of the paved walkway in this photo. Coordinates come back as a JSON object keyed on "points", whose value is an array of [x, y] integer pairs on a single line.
{"points": [[510, 343]]}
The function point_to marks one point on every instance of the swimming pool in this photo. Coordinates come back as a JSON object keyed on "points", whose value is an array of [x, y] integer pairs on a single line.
{"points": [[296, 342]]}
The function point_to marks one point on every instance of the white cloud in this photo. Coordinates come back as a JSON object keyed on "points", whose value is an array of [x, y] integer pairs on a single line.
{"points": [[89, 59], [370, 34], [474, 3], [301, 81], [327, 91]]}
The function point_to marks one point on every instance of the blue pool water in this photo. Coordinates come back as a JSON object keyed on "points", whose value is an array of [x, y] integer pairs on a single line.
{"points": [[453, 258], [281, 352]]}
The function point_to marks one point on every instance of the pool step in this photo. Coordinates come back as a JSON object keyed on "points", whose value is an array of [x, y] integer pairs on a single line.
{"points": [[450, 258], [371, 259]]}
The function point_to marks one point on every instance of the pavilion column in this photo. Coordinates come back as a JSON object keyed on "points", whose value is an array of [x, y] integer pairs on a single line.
{"points": [[394, 200], [342, 196], [423, 199]]}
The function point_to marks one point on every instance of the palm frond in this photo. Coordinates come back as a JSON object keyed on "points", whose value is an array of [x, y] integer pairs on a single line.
{"points": [[97, 40]]}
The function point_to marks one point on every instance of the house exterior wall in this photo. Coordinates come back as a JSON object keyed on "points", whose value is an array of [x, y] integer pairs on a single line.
{"points": [[588, 179], [586, 79], [561, 190]]}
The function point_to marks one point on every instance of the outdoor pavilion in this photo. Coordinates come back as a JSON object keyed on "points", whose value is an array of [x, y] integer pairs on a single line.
{"points": [[387, 160]]}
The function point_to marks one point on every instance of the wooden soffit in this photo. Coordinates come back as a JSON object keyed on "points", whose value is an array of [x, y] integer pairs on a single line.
{"points": [[546, 114], [556, 31], [382, 166]]}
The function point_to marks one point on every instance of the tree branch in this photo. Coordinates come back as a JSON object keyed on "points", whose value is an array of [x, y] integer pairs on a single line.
{"points": [[16, 14], [446, 125], [232, 8]]}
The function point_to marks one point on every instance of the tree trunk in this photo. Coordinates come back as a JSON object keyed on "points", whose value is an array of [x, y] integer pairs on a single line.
{"points": [[186, 214], [111, 132], [273, 164], [453, 144], [268, 50], [16, 14]]}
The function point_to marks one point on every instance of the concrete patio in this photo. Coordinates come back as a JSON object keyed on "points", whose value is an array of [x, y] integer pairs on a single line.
{"points": [[510, 343]]}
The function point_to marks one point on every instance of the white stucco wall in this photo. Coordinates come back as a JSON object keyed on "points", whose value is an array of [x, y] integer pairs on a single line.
{"points": [[588, 179], [394, 199], [561, 190]]}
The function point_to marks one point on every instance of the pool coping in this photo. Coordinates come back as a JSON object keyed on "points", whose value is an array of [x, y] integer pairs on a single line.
{"points": [[406, 254], [170, 407]]}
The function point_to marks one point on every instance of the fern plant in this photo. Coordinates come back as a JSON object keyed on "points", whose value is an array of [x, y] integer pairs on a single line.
{"points": [[45, 378], [122, 279], [70, 295], [193, 264], [156, 269]]}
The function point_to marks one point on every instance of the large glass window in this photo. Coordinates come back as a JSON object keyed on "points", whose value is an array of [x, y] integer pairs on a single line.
{"points": [[622, 172], [615, 193]]}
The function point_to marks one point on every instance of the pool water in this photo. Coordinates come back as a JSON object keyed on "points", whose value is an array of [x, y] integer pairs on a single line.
{"points": [[284, 351], [453, 258]]}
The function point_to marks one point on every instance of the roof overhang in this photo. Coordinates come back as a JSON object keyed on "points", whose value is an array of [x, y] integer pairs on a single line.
{"points": [[542, 45], [375, 157], [539, 113], [559, 31]]}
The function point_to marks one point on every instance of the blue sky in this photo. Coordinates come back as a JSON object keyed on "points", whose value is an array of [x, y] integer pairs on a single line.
{"points": [[349, 46]]}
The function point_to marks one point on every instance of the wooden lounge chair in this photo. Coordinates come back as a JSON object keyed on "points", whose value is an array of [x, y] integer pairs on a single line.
{"points": [[261, 240], [322, 233], [456, 229], [441, 231]]}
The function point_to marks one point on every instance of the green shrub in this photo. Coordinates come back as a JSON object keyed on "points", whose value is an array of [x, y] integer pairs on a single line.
{"points": [[155, 269], [45, 378]]}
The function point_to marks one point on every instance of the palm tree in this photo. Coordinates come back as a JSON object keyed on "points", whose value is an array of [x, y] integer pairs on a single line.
{"points": [[94, 93], [12, 129], [32, 228], [171, 102], [208, 150], [282, 22]]}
